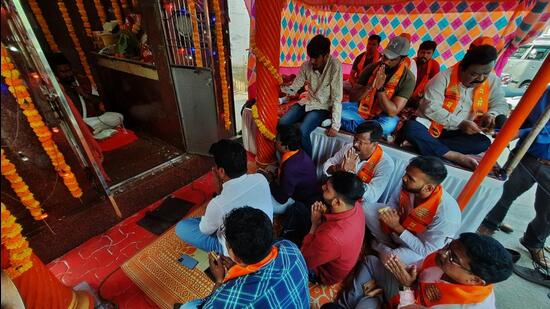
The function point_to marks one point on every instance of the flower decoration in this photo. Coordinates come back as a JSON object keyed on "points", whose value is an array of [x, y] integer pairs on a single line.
{"points": [[196, 35], [222, 64], [21, 189], [18, 248], [261, 126], [118, 13], [43, 25], [84, 17], [100, 11], [21, 93]]}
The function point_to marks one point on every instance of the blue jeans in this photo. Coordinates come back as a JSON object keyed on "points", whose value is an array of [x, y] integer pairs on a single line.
{"points": [[417, 134], [351, 119], [188, 230], [310, 120]]}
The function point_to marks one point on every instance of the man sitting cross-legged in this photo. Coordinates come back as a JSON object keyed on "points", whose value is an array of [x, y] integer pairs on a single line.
{"points": [[334, 242], [460, 275], [256, 273], [297, 179], [418, 218], [365, 158], [382, 90], [237, 189], [457, 105]]}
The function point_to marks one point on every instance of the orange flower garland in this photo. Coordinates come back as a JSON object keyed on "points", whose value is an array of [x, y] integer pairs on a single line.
{"points": [[43, 25], [100, 11], [221, 57], [76, 42], [21, 189], [23, 97], [118, 13], [196, 35], [84, 17], [17, 245], [261, 126]]}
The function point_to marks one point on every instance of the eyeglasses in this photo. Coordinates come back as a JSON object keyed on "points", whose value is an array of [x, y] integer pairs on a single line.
{"points": [[453, 257]]}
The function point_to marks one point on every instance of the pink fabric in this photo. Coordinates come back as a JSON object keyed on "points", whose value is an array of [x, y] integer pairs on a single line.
{"points": [[503, 59]]}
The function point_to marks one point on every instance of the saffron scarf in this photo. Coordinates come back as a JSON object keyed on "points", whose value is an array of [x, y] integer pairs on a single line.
{"points": [[367, 171], [420, 89], [239, 270], [287, 155], [361, 66], [480, 101], [369, 106]]}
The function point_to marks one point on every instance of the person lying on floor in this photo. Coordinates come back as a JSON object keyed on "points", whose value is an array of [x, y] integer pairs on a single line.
{"points": [[366, 58], [458, 104], [322, 74], [382, 90], [296, 181], [336, 229], [257, 273], [365, 158], [418, 218], [460, 275], [236, 188]]}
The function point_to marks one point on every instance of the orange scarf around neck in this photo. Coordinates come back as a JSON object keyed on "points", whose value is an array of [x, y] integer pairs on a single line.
{"points": [[287, 155], [239, 270], [367, 171], [368, 106], [420, 89], [480, 101], [361, 66]]}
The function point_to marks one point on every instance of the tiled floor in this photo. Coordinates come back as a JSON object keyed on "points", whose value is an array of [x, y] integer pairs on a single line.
{"points": [[100, 257]]}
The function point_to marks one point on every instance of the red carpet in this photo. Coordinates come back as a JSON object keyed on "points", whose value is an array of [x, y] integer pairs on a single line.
{"points": [[120, 139], [99, 258]]}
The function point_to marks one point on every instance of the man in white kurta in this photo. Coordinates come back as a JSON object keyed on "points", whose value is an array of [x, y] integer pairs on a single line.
{"points": [[392, 224], [365, 158]]}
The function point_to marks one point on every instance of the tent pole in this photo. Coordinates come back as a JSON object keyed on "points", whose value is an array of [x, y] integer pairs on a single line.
{"points": [[518, 116]]}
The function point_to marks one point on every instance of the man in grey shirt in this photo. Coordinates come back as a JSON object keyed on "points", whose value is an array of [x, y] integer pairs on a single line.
{"points": [[459, 104]]}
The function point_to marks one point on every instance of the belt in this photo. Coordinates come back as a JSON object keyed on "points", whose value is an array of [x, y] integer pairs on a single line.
{"points": [[543, 161]]}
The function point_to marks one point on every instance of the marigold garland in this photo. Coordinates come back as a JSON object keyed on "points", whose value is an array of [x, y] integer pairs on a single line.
{"points": [[84, 17], [100, 11], [18, 89], [118, 13], [196, 35], [21, 189], [43, 26], [18, 247], [222, 64], [76, 42], [261, 127]]}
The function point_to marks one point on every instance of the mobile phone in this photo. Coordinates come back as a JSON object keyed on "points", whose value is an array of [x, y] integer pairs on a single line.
{"points": [[208, 273], [188, 261]]}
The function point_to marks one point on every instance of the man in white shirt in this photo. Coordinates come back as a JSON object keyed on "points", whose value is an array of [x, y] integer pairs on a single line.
{"points": [[322, 76], [238, 189], [365, 158], [458, 105], [419, 217], [459, 276]]}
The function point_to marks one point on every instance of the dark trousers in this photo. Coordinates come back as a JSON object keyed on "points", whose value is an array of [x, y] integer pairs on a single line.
{"points": [[527, 173], [427, 145], [297, 223], [309, 121]]}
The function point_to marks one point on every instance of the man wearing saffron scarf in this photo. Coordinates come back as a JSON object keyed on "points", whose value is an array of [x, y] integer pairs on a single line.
{"points": [[257, 273], [382, 90], [460, 275], [419, 217], [365, 158], [459, 104], [427, 68], [297, 179], [371, 55]]}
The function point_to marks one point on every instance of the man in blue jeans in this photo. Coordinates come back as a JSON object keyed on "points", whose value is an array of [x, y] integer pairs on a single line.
{"points": [[237, 188], [322, 78]]}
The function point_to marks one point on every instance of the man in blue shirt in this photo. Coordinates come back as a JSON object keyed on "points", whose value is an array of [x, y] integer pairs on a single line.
{"points": [[533, 168]]}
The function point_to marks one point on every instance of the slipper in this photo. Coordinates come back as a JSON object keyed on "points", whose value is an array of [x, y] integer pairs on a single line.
{"points": [[515, 255], [506, 228], [532, 275]]}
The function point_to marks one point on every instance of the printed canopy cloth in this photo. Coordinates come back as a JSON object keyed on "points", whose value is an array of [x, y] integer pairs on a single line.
{"points": [[453, 25]]}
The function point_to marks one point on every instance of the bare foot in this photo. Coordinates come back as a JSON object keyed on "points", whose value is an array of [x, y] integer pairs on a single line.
{"points": [[461, 159]]}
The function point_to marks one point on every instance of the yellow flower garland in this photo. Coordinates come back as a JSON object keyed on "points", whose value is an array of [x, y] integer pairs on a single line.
{"points": [[196, 35], [261, 126], [20, 92], [118, 13], [43, 25], [222, 64], [21, 189], [84, 17], [100, 11], [76, 42], [18, 248]]}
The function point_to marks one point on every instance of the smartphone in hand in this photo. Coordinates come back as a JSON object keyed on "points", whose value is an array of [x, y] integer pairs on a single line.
{"points": [[188, 261]]}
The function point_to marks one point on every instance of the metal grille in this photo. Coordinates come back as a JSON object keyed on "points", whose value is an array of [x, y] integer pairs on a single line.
{"points": [[177, 21]]}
